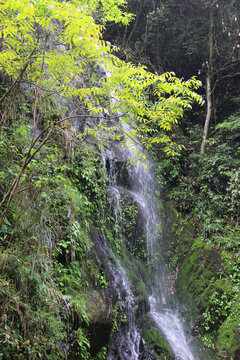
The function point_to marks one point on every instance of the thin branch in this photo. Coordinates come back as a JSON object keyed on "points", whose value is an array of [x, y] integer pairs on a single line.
{"points": [[32, 143], [39, 147], [221, 78], [21, 190], [41, 88], [18, 78], [136, 22], [90, 116], [230, 75], [11, 191], [69, 118], [226, 66]]}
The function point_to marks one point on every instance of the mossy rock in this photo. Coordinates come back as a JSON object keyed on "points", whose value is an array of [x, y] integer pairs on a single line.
{"points": [[156, 343], [100, 312], [229, 334], [180, 233], [133, 226], [99, 309], [197, 283], [195, 276]]}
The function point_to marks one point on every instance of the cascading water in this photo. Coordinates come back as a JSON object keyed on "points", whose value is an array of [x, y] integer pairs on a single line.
{"points": [[126, 343], [139, 184]]}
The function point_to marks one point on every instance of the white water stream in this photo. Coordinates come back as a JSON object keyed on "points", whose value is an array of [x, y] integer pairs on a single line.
{"points": [[141, 189], [138, 183]]}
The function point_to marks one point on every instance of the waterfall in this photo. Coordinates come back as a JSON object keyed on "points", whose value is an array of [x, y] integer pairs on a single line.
{"points": [[138, 183]]}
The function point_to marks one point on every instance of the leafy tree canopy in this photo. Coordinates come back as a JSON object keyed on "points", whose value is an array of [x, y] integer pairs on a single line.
{"points": [[49, 44]]}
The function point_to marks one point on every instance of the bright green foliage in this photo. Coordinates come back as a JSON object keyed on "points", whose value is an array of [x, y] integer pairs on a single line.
{"points": [[30, 298], [232, 123], [39, 33], [106, 10], [51, 51], [83, 343], [50, 44], [132, 88]]}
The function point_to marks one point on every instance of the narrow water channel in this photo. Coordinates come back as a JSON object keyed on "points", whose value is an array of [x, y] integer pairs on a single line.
{"points": [[137, 183]]}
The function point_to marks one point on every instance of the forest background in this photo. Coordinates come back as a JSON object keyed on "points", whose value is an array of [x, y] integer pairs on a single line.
{"points": [[52, 181]]}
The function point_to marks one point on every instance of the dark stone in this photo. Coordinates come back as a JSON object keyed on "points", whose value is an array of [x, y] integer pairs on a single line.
{"points": [[99, 334]]}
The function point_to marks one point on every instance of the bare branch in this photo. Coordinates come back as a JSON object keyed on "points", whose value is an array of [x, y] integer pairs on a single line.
{"points": [[18, 78], [21, 190]]}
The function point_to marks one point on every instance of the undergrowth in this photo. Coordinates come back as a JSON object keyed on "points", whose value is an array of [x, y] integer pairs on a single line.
{"points": [[47, 259], [203, 194]]}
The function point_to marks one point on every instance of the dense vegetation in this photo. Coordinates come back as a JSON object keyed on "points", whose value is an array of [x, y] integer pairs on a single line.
{"points": [[203, 193], [57, 75], [202, 189]]}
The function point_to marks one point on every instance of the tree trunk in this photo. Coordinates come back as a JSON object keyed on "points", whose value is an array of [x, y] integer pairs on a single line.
{"points": [[209, 80], [208, 116], [136, 21]]}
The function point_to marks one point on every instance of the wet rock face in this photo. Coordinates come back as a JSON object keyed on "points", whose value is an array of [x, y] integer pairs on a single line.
{"points": [[194, 276], [119, 170], [194, 286], [133, 226], [129, 212], [99, 308]]}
